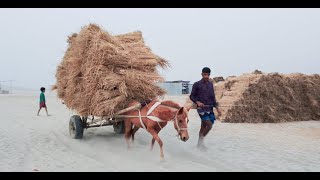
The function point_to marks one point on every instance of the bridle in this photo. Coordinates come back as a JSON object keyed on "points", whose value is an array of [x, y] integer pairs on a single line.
{"points": [[175, 118]]}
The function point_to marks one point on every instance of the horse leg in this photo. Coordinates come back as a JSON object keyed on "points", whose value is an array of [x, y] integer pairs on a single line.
{"points": [[152, 143], [153, 140], [155, 136], [135, 129], [128, 131]]}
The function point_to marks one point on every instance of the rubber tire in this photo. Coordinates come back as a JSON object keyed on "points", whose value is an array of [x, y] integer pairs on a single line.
{"points": [[119, 127], [76, 127]]}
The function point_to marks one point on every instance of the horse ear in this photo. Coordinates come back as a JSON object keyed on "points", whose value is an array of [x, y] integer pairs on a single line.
{"points": [[180, 110]]}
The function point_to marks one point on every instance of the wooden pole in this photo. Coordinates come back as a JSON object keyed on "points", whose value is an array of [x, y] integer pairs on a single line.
{"points": [[137, 106]]}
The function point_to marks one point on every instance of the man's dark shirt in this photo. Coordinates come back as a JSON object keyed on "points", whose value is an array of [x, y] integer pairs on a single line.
{"points": [[203, 91]]}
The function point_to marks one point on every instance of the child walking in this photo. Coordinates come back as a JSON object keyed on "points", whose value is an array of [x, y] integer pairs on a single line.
{"points": [[42, 101]]}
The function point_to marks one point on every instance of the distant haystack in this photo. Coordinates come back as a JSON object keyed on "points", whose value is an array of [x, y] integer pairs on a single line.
{"points": [[269, 98], [257, 72], [101, 73], [217, 79]]}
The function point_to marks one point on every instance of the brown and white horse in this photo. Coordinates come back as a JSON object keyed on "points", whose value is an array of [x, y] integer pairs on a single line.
{"points": [[153, 117]]}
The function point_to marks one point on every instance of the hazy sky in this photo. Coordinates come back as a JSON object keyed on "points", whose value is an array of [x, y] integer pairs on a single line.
{"points": [[229, 41]]}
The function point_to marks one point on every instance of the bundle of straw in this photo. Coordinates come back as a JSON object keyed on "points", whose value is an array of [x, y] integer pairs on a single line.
{"points": [[101, 73]]}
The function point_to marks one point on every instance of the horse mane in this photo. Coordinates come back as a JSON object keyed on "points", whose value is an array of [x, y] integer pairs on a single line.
{"points": [[171, 104]]}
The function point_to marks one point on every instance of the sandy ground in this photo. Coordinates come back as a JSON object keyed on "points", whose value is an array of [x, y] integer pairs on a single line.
{"points": [[29, 142]]}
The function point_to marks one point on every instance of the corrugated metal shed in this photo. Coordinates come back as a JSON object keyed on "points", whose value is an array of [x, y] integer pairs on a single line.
{"points": [[176, 87]]}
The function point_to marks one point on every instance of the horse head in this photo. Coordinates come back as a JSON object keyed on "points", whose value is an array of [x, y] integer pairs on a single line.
{"points": [[181, 123]]}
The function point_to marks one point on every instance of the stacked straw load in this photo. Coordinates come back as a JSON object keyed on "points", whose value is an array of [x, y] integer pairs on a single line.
{"points": [[101, 73]]}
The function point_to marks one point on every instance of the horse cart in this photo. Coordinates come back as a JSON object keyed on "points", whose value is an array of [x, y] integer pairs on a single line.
{"points": [[77, 123]]}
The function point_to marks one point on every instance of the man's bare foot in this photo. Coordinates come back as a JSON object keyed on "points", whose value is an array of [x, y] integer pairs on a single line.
{"points": [[202, 147]]}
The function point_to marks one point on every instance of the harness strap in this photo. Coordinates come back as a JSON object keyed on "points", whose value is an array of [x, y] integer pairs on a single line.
{"points": [[153, 107], [159, 125], [154, 118], [142, 124]]}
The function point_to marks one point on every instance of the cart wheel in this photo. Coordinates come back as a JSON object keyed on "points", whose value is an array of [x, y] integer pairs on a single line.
{"points": [[76, 127], [119, 127]]}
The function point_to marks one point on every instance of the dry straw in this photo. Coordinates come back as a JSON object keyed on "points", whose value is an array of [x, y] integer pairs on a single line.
{"points": [[101, 73], [269, 98]]}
